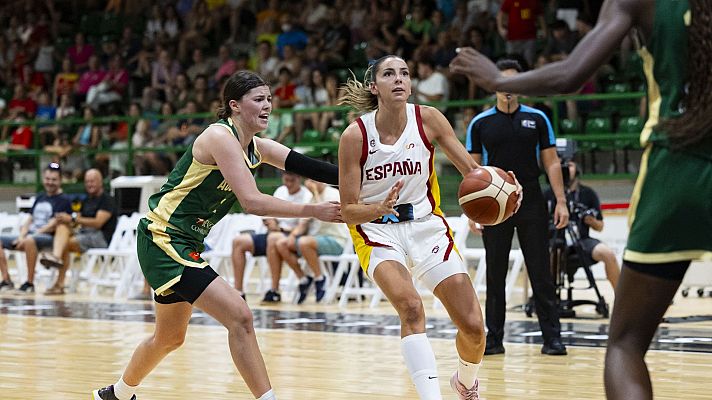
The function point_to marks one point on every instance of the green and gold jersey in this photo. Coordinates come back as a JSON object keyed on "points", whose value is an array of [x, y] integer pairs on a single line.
{"points": [[665, 65], [196, 196]]}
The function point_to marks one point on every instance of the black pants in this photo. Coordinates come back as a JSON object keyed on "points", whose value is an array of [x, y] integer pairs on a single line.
{"points": [[531, 222]]}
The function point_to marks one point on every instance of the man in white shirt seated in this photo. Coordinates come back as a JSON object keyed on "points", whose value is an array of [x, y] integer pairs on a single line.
{"points": [[263, 244]]}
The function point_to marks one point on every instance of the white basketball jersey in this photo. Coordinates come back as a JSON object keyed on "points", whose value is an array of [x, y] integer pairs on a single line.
{"points": [[410, 159]]}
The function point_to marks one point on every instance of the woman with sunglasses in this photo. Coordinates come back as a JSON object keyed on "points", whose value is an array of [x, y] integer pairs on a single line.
{"points": [[215, 171]]}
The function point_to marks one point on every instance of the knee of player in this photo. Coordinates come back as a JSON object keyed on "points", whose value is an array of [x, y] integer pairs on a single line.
{"points": [[411, 310], [240, 321], [170, 341], [472, 327]]}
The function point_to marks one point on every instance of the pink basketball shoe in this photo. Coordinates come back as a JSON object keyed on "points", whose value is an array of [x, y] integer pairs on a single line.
{"points": [[464, 393]]}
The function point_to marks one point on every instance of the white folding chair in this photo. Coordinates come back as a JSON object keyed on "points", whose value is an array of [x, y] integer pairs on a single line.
{"points": [[10, 225], [117, 265], [220, 240]]}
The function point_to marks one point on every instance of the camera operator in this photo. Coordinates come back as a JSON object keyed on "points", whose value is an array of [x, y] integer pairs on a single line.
{"points": [[586, 212]]}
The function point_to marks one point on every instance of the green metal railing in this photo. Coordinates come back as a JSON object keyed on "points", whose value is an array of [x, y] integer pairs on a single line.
{"points": [[37, 152]]}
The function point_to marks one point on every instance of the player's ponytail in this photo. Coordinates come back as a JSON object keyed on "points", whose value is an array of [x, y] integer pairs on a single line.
{"points": [[695, 124], [357, 94]]}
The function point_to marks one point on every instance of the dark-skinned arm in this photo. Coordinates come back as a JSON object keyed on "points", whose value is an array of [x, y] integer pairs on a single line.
{"points": [[615, 21]]}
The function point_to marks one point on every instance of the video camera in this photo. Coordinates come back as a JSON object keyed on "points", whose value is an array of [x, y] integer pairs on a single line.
{"points": [[566, 150]]}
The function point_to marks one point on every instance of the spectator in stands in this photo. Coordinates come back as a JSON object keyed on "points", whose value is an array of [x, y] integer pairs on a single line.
{"points": [[414, 32], [226, 63], [264, 61], [290, 60], [325, 239], [64, 81], [180, 93], [37, 232], [187, 129], [200, 95], [291, 36], [432, 85], [157, 163], [21, 103], [285, 97], [112, 87], [44, 60], [163, 74], [88, 228], [560, 41], [200, 66], [594, 250], [141, 69], [93, 76], [198, 26], [311, 94], [21, 135], [263, 244], [520, 29], [80, 53]]}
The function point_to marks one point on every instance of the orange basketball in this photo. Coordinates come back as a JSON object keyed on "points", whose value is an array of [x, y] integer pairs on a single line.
{"points": [[488, 195]]}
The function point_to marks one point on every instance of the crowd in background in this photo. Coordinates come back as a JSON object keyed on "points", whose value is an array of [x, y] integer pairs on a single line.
{"points": [[85, 59]]}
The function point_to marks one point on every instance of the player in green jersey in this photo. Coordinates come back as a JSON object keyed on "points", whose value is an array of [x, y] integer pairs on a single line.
{"points": [[671, 211], [214, 172]]}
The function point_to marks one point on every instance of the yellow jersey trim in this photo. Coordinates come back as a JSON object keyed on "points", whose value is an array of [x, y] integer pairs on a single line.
{"points": [[654, 98], [635, 197], [673, 256]]}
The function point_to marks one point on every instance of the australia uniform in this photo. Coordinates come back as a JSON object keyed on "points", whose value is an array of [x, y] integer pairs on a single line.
{"points": [[195, 197], [418, 237], [671, 208]]}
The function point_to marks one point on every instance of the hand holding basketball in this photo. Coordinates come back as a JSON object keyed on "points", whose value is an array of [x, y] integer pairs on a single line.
{"points": [[488, 195]]}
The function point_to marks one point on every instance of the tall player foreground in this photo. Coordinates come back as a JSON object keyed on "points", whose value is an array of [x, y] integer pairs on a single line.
{"points": [[671, 212], [391, 202], [214, 173]]}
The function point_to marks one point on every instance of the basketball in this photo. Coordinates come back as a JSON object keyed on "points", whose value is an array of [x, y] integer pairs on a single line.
{"points": [[488, 195]]}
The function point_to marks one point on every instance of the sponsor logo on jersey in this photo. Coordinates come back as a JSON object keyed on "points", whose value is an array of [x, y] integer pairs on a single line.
{"points": [[194, 255], [528, 123], [372, 143], [372, 151], [410, 146], [397, 168], [435, 249], [202, 226]]}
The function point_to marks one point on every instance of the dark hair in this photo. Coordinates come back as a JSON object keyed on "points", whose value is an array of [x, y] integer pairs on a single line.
{"points": [[508, 63], [236, 86], [357, 94], [695, 124]]}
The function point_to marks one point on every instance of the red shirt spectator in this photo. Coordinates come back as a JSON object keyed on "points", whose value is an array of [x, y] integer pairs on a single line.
{"points": [[21, 102], [522, 18], [22, 136]]}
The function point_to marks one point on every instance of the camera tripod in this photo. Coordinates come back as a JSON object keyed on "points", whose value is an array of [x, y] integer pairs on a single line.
{"points": [[564, 264]]}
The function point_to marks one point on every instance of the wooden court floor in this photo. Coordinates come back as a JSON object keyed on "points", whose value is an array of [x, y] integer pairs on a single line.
{"points": [[43, 355]]}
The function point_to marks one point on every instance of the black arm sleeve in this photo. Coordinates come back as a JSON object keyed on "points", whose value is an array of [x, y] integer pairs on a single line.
{"points": [[312, 168]]}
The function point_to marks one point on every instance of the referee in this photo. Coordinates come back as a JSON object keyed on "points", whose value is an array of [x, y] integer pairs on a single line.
{"points": [[514, 137]]}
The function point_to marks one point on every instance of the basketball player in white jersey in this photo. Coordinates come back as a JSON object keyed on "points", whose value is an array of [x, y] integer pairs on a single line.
{"points": [[391, 201]]}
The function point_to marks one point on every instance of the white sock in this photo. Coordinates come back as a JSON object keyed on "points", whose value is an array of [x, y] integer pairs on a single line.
{"points": [[268, 396], [467, 372], [420, 360], [122, 390], [319, 279], [304, 280]]}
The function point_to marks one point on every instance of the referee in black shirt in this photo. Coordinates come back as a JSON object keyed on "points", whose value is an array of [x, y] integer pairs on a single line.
{"points": [[513, 137]]}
